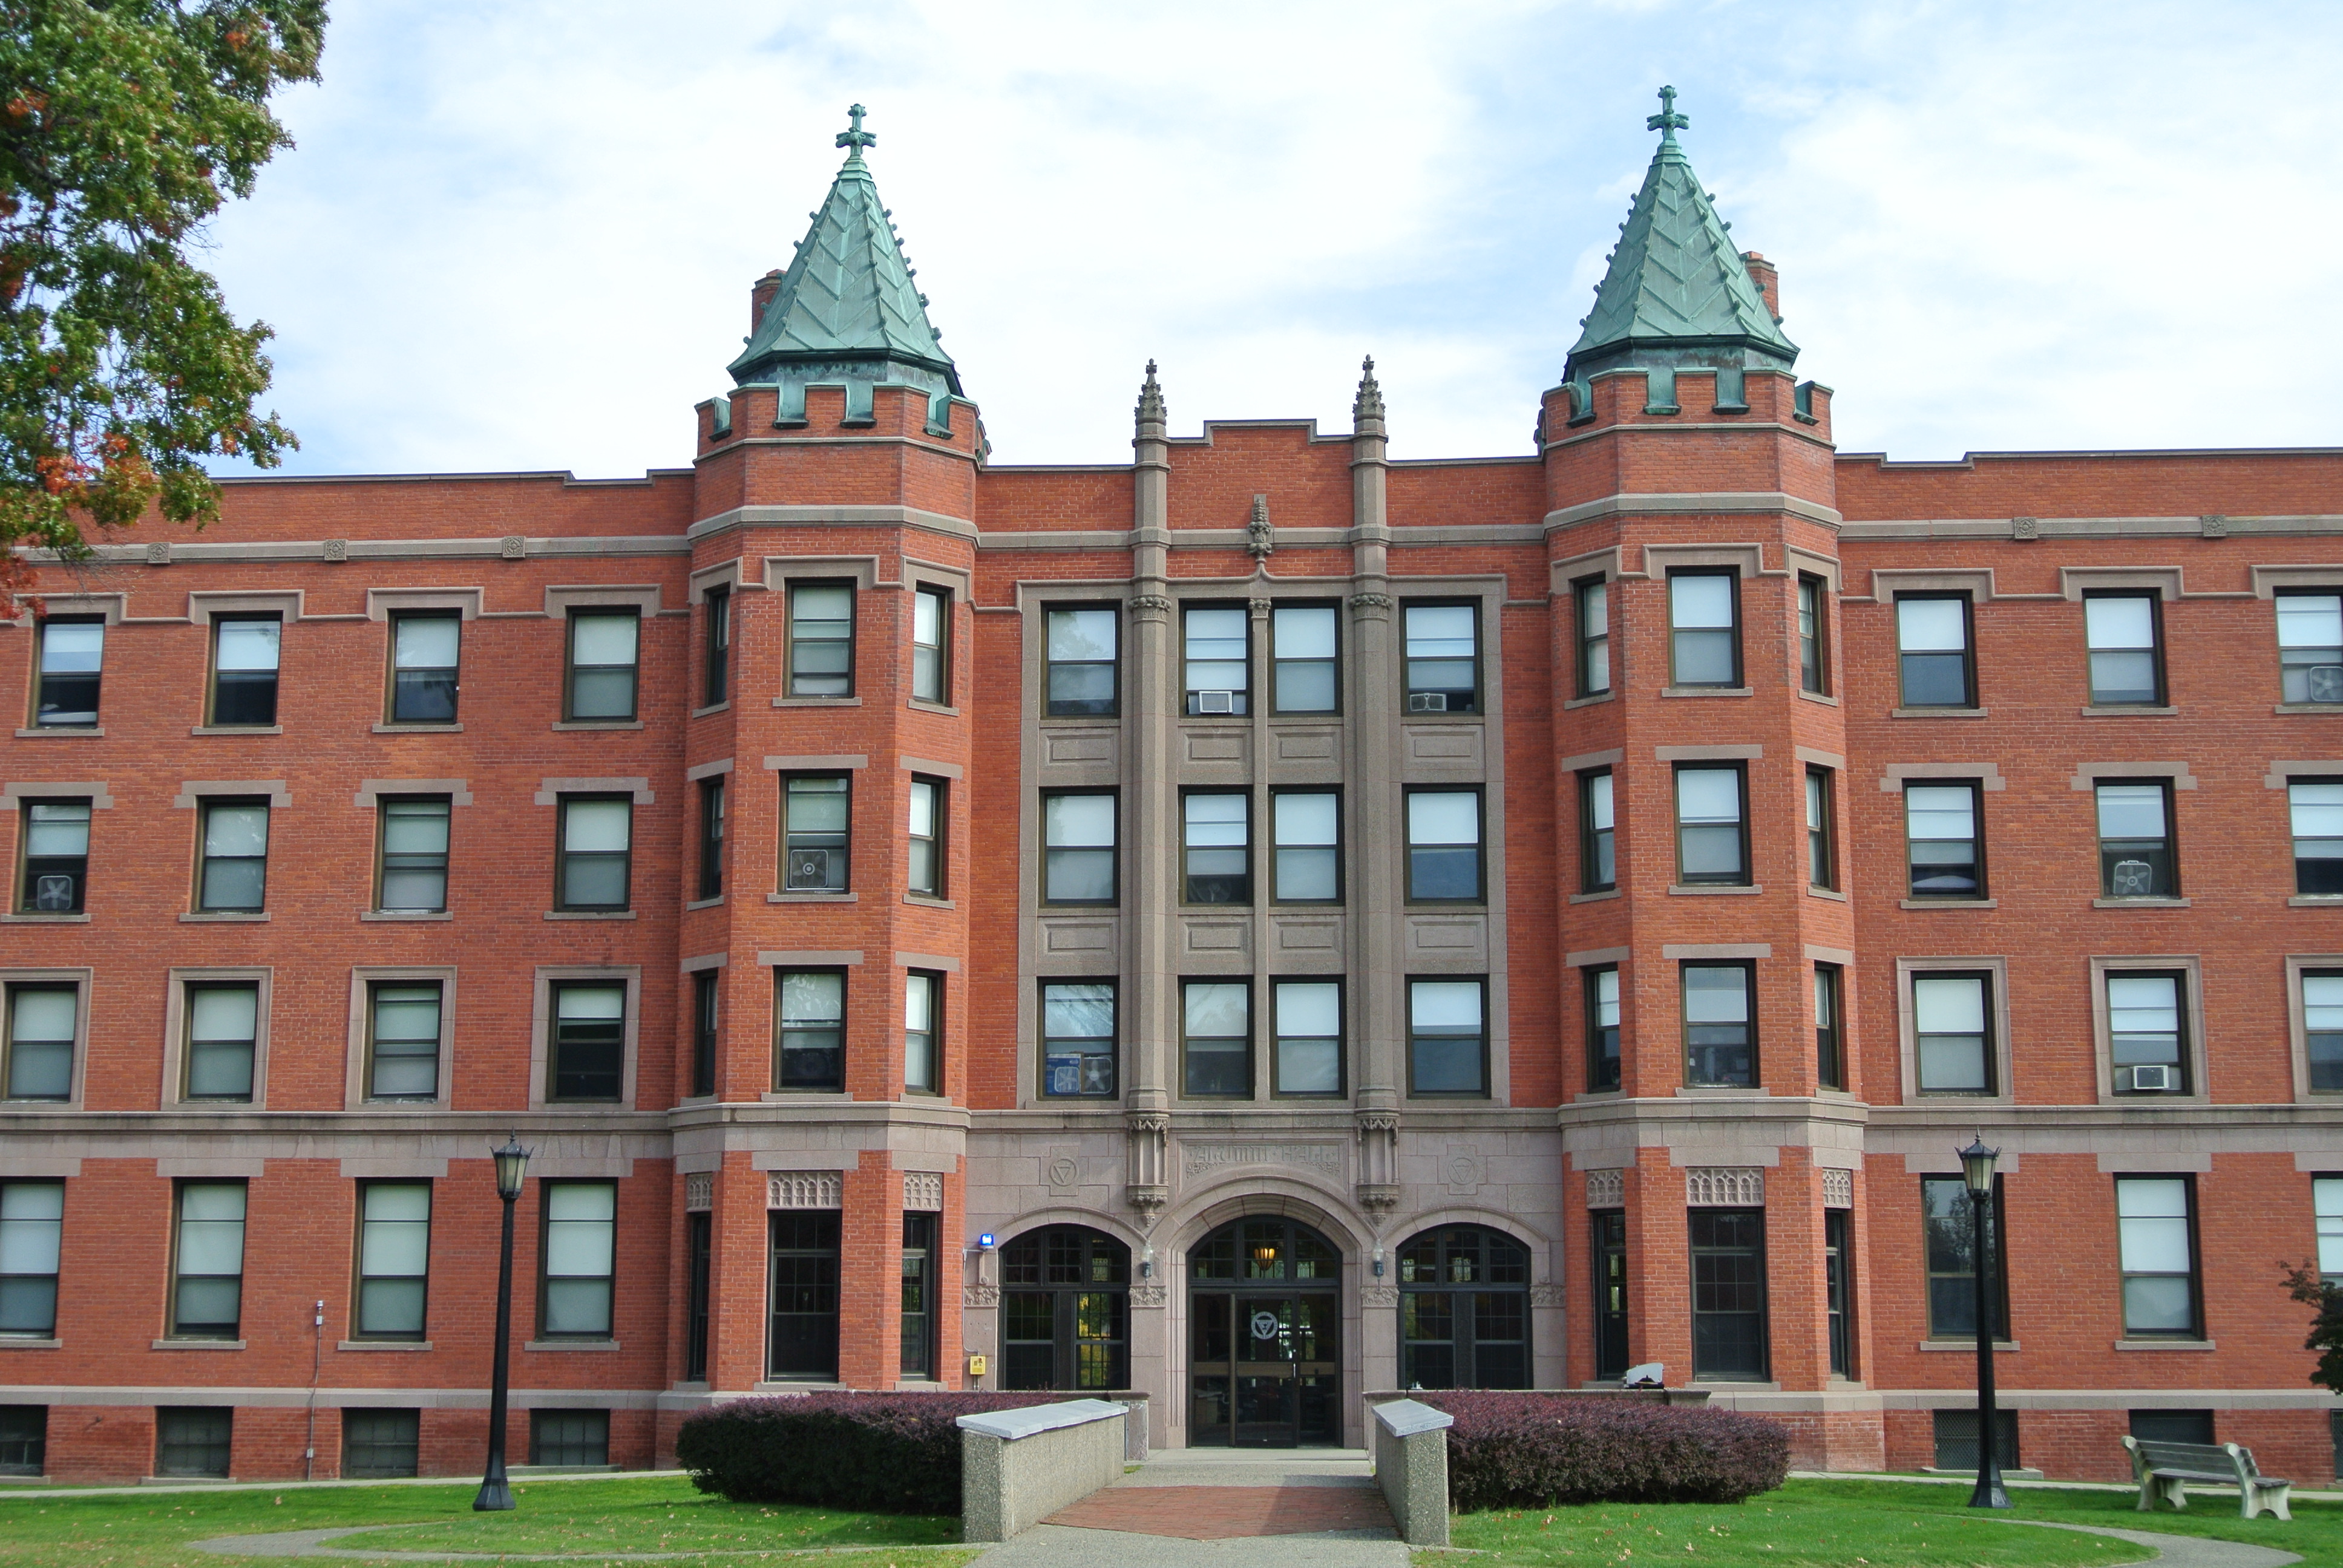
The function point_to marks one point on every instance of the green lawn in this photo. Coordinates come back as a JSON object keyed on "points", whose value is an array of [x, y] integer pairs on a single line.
{"points": [[1867, 1524], [648, 1514]]}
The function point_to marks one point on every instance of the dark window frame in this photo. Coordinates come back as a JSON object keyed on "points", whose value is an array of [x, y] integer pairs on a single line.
{"points": [[2305, 697], [2160, 692], [916, 1342], [707, 1029], [1242, 895], [1334, 661], [1414, 1039], [1813, 628], [1043, 1038], [934, 981], [555, 1045], [2311, 1039], [189, 990], [1494, 1265], [1988, 1006], [1113, 851], [358, 1275], [716, 648], [11, 994], [838, 880], [375, 986], [545, 1275], [699, 1256], [1276, 847], [936, 838], [561, 1436], [815, 1236], [1830, 1036], [1968, 659], [783, 1025], [1188, 1090], [792, 640], [1054, 1268], [385, 808], [213, 690], [380, 1444], [1976, 862], [1595, 840], [1478, 897], [1715, 1249], [1050, 702], [393, 711], [1838, 1291], [1239, 698], [42, 674], [940, 650], [1748, 970], [713, 802], [14, 1325], [1606, 1062], [1959, 1319], [32, 868], [2317, 874], [205, 859], [2169, 844], [1478, 701], [1737, 631], [571, 669], [1588, 644], [207, 1329], [1746, 875], [210, 1430], [2183, 1041], [2196, 1329], [1822, 836], [563, 855], [1277, 1038]]}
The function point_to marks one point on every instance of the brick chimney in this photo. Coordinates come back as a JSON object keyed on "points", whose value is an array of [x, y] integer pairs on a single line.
{"points": [[1769, 280], [762, 292]]}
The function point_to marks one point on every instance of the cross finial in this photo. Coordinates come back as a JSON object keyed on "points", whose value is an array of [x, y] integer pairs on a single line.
{"points": [[855, 138], [1667, 122]]}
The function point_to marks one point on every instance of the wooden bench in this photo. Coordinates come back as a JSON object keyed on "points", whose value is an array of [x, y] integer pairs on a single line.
{"points": [[2163, 1469]]}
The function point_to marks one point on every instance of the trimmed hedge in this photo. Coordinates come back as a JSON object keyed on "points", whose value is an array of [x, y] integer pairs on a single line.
{"points": [[1535, 1449], [876, 1453]]}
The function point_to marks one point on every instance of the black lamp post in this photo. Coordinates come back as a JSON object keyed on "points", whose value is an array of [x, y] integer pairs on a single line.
{"points": [[512, 1169], [1976, 1170]]}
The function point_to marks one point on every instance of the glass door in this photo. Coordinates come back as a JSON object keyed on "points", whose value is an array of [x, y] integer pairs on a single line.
{"points": [[1267, 1400], [1611, 1293]]}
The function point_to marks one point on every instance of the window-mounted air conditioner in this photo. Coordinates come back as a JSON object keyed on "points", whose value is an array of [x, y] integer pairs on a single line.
{"points": [[1216, 703], [809, 868], [1427, 702], [2154, 1079], [2327, 683]]}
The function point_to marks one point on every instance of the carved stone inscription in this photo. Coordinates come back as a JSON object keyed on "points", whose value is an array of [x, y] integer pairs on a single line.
{"points": [[1204, 1159]]}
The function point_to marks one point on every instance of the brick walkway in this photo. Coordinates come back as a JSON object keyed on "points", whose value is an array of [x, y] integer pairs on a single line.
{"points": [[1225, 1513]]}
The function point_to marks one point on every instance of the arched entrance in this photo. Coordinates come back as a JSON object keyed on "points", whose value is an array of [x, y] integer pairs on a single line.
{"points": [[1065, 1310], [1264, 1336]]}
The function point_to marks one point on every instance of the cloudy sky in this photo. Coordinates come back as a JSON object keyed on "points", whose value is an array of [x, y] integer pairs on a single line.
{"points": [[518, 233]]}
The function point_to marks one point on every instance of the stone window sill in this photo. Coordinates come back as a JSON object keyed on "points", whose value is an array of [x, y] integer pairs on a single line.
{"points": [[226, 917], [2153, 903], [790, 1386], [92, 731], [817, 702], [1591, 898], [1824, 698], [1967, 1345], [1952, 903], [2164, 1344], [397, 728], [1704, 888], [705, 903], [571, 1345], [812, 899], [238, 729], [1833, 894], [405, 915], [384, 1345], [1707, 691], [2129, 711], [1936, 713], [598, 724], [711, 707], [199, 1344], [1590, 701], [929, 901], [2299, 901], [921, 705], [2329, 709], [29, 1343], [589, 914], [806, 1097], [1721, 1090], [1734, 1385], [39, 919]]}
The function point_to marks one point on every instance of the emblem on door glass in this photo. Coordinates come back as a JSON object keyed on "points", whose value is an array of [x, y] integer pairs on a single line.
{"points": [[1265, 1325]]}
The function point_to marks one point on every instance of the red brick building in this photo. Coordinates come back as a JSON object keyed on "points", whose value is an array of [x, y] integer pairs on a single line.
{"points": [[1253, 925]]}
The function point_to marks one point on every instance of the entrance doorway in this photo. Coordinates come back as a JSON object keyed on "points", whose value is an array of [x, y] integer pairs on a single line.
{"points": [[1265, 1361]]}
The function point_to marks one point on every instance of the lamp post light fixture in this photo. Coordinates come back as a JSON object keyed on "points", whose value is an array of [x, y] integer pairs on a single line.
{"points": [[1977, 1171], [512, 1170]]}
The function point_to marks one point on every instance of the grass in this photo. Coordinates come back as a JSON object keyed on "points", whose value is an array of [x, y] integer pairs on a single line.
{"points": [[1868, 1525], [587, 1517]]}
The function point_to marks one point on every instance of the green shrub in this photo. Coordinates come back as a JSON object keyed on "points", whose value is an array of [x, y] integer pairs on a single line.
{"points": [[876, 1453], [1535, 1449]]}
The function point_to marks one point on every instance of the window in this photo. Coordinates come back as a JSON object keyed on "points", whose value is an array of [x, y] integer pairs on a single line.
{"points": [[1952, 1033], [821, 639], [2127, 654], [1814, 634], [223, 1040], [380, 1444], [1216, 660], [812, 1020], [1064, 1305], [2316, 808], [918, 1336], [403, 1041], [1303, 671], [1610, 1273], [2326, 1205], [234, 875], [1216, 1038], [931, 620], [1447, 1037], [2156, 1227], [32, 1226], [1941, 842], [803, 1290], [1077, 857], [704, 990], [23, 1439], [604, 646], [207, 1264], [1306, 862], [590, 1041], [1949, 1235], [2171, 1425], [1309, 1024], [1704, 628], [244, 669], [414, 874], [423, 662], [1728, 1293], [1444, 657], [1081, 646], [1598, 860], [1444, 845], [1720, 1025], [711, 838], [193, 1440], [816, 810], [922, 1032], [1838, 1288], [597, 852], [1601, 987], [2136, 859], [581, 1221], [2310, 647], [56, 856], [1464, 1309], [698, 1257], [1078, 1037], [73, 652], [1592, 598], [1216, 848], [715, 650], [1931, 641], [1830, 1037], [2146, 1035], [394, 1259], [2322, 1029], [1956, 1439], [924, 871], [578, 1439], [1822, 864], [1712, 839], [40, 1042]]}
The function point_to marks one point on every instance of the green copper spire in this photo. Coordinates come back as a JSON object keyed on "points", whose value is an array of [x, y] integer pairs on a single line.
{"points": [[1677, 292], [846, 309]]}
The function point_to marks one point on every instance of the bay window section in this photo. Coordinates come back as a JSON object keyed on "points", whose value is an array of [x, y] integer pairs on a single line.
{"points": [[1447, 1037], [2156, 1228], [811, 1020], [1813, 635], [712, 792], [1712, 836], [1598, 863], [924, 869], [2310, 646], [1078, 1039], [821, 639], [1306, 856], [1601, 987], [1822, 861], [706, 1004], [1728, 1293], [1704, 628], [931, 644], [1720, 1025], [1830, 1026], [1217, 659], [716, 648], [803, 1292], [1303, 675], [1216, 1039], [817, 810], [1308, 1019], [1592, 599], [924, 1032]]}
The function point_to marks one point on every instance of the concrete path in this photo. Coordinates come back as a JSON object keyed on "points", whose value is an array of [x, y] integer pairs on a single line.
{"points": [[2178, 1551]]}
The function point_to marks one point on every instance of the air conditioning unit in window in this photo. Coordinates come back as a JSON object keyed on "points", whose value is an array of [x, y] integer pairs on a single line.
{"points": [[2154, 1079], [1216, 703], [809, 868], [1427, 702], [2327, 683]]}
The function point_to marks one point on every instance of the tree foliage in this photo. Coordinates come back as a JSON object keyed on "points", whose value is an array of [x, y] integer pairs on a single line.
{"points": [[124, 126], [2304, 1283]]}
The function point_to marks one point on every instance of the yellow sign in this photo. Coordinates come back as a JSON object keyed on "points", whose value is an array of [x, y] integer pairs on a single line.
{"points": [[976, 1366]]}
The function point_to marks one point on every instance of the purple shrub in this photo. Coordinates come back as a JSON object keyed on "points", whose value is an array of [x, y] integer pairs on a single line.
{"points": [[1535, 1449], [882, 1452]]}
